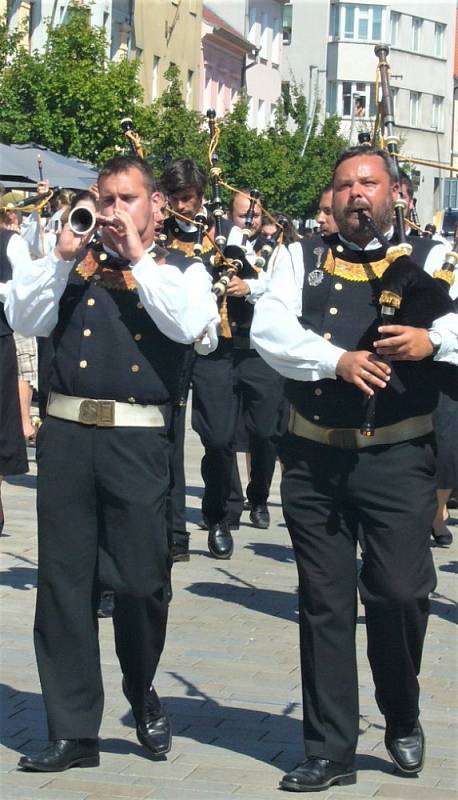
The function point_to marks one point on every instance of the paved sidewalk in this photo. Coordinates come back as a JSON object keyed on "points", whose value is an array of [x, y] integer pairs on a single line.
{"points": [[229, 677]]}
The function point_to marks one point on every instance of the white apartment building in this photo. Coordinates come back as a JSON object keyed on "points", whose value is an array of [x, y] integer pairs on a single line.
{"points": [[338, 40], [260, 22], [116, 16]]}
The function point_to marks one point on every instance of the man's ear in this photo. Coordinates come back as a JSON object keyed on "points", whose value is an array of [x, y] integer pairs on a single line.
{"points": [[155, 199]]}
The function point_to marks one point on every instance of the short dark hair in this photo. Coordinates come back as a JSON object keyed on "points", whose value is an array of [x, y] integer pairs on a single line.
{"points": [[368, 150], [183, 173], [85, 194], [245, 190], [406, 181], [118, 164]]}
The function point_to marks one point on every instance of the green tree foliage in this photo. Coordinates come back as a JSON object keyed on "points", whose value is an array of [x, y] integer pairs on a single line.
{"points": [[289, 176], [70, 97]]}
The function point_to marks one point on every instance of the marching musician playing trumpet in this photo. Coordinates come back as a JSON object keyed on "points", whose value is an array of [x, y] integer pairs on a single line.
{"points": [[336, 480], [122, 314]]}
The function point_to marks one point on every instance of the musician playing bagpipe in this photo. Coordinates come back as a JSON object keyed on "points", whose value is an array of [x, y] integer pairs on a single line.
{"points": [[260, 390], [336, 479], [193, 227], [120, 314]]}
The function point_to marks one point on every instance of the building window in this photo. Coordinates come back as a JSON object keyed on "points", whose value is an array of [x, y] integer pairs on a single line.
{"points": [[331, 104], [377, 18], [356, 100], [189, 83], [414, 109], [437, 122], [334, 19], [349, 22], [363, 24], [155, 77], [416, 34], [451, 193], [360, 23], [395, 20], [287, 23], [439, 40], [395, 95], [264, 35]]}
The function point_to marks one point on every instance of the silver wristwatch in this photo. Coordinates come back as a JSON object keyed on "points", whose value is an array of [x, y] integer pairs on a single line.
{"points": [[436, 340]]}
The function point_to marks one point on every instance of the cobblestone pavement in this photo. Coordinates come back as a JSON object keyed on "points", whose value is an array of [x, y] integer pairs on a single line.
{"points": [[229, 677]]}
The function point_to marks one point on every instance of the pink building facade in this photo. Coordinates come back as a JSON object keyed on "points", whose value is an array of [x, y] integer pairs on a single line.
{"points": [[223, 56]]}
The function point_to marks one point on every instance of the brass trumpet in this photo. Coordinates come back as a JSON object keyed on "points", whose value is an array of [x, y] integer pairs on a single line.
{"points": [[82, 220]]}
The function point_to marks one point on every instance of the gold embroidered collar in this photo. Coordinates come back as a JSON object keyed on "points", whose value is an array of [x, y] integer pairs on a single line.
{"points": [[188, 247], [116, 279], [354, 272]]}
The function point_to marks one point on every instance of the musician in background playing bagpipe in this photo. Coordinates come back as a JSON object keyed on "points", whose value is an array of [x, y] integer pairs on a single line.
{"points": [[262, 417], [192, 230]]}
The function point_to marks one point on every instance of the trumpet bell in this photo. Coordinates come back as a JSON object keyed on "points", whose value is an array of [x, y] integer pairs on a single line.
{"points": [[81, 220]]}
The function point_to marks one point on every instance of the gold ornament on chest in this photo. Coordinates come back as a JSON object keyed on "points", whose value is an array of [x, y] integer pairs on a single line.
{"points": [[188, 247], [350, 271], [115, 279]]}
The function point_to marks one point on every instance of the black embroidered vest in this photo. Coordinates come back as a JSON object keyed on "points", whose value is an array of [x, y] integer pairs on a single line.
{"points": [[342, 307]]}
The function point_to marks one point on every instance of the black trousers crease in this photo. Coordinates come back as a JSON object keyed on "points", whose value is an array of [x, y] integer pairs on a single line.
{"points": [[327, 493], [101, 520], [227, 383]]}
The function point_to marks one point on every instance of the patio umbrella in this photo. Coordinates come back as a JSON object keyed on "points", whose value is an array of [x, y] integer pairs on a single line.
{"points": [[19, 168]]}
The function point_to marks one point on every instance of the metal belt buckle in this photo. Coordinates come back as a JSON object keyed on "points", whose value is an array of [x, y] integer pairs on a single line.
{"points": [[344, 438], [97, 412]]}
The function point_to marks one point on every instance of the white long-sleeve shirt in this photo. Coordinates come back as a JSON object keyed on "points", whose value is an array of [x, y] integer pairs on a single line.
{"points": [[301, 354], [180, 303]]}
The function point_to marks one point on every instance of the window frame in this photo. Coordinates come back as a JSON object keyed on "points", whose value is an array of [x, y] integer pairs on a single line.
{"points": [[414, 120], [416, 39]]}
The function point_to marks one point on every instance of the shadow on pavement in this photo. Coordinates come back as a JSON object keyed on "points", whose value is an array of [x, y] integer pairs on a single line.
{"points": [[27, 481], [23, 578], [277, 552], [452, 566], [276, 738]]}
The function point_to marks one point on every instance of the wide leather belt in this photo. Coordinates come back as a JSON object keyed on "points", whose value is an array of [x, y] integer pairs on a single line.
{"points": [[104, 413], [352, 439]]}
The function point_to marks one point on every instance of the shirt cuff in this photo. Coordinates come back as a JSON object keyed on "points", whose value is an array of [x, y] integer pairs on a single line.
{"points": [[447, 347], [329, 362]]}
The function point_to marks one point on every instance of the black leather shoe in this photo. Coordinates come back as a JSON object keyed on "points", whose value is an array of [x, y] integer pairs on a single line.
{"points": [[180, 552], [220, 541], [444, 539], [260, 517], [155, 733], [406, 747], [62, 754], [316, 774]]}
